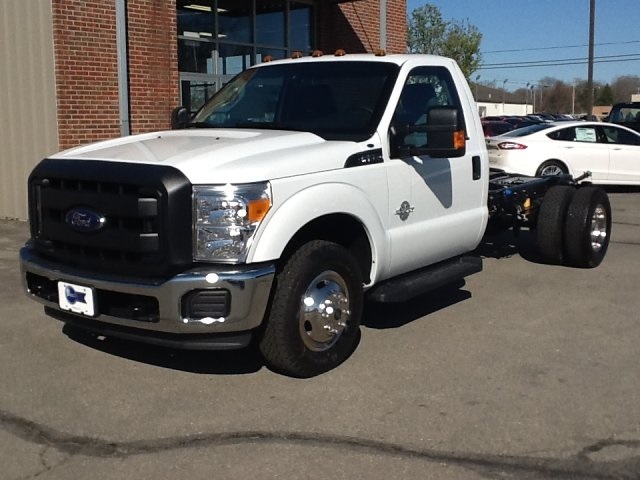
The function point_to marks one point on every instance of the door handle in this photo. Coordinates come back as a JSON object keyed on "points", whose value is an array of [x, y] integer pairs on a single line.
{"points": [[477, 167]]}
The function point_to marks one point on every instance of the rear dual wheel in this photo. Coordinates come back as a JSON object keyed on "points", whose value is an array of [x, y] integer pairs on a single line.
{"points": [[574, 226], [588, 227]]}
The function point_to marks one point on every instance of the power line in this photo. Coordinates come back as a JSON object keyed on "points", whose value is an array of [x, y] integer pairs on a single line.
{"points": [[518, 50], [561, 62]]}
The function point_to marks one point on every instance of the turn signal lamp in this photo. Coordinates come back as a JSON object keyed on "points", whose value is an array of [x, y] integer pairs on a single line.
{"points": [[459, 139], [257, 209]]}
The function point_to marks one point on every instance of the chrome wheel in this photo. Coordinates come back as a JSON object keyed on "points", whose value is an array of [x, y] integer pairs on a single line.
{"points": [[598, 228], [324, 311], [551, 170]]}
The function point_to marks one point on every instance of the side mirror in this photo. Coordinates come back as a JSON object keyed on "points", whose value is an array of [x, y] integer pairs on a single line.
{"points": [[180, 117], [445, 135]]}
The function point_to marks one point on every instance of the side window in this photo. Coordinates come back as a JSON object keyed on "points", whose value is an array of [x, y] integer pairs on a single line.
{"points": [[424, 88], [566, 134], [619, 136], [586, 134]]}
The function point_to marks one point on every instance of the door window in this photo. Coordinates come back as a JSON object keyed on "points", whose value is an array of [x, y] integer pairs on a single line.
{"points": [[425, 88]]}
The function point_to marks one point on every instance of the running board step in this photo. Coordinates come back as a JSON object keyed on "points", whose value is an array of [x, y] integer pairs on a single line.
{"points": [[418, 282]]}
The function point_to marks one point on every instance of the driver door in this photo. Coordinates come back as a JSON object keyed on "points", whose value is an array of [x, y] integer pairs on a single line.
{"points": [[437, 207]]}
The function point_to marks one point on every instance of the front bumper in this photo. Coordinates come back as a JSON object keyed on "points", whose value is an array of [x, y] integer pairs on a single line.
{"points": [[160, 311]]}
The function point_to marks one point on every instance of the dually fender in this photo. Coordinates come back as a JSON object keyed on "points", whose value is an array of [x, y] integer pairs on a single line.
{"points": [[317, 201]]}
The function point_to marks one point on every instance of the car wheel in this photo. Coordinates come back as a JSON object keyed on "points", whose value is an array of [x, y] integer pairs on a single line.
{"points": [[550, 224], [551, 167], [588, 227], [314, 318]]}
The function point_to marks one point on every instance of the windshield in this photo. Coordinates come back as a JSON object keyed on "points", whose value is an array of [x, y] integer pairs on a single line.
{"points": [[335, 100]]}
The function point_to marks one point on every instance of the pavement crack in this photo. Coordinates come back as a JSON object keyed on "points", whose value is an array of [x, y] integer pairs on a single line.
{"points": [[580, 466]]}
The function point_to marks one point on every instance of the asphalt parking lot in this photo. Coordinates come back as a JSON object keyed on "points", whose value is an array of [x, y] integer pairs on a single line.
{"points": [[528, 371]]}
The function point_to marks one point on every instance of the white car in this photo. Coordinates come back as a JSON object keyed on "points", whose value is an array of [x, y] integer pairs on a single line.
{"points": [[610, 152]]}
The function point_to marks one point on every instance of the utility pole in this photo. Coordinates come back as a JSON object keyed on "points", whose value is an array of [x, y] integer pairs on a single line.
{"points": [[592, 22]]}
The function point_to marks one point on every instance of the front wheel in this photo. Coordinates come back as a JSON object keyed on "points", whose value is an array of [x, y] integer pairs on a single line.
{"points": [[313, 322], [551, 167]]}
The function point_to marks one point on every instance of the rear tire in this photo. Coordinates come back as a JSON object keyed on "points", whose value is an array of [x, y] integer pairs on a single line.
{"points": [[551, 167], [588, 227], [313, 322], [550, 224]]}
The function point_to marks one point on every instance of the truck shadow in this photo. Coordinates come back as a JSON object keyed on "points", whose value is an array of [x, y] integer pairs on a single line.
{"points": [[231, 362], [382, 316]]}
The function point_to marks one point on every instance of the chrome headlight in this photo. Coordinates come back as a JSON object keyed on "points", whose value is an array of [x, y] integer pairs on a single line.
{"points": [[225, 219]]}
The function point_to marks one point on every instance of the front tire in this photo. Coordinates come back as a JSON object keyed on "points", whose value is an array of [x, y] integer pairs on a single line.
{"points": [[551, 167], [313, 322]]}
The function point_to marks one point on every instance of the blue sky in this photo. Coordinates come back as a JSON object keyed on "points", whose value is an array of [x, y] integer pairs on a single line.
{"points": [[548, 30]]}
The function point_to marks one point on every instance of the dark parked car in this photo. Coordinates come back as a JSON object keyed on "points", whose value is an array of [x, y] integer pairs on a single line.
{"points": [[627, 114], [492, 128]]}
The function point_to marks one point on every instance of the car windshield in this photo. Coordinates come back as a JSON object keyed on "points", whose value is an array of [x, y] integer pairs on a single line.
{"points": [[335, 100], [528, 130]]}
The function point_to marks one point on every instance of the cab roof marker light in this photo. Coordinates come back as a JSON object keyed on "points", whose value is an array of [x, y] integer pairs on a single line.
{"points": [[296, 54], [317, 53], [380, 52], [340, 53]]}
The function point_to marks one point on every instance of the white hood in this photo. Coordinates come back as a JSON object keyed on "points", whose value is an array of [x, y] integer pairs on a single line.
{"points": [[224, 155]]}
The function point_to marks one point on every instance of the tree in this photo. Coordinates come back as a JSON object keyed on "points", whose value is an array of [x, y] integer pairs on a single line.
{"points": [[625, 86], [428, 32], [604, 95]]}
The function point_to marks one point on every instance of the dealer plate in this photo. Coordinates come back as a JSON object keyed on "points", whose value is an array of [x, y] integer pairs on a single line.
{"points": [[76, 298]]}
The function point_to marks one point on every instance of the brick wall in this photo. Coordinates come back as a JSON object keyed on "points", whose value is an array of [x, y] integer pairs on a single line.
{"points": [[87, 69], [153, 63], [355, 26]]}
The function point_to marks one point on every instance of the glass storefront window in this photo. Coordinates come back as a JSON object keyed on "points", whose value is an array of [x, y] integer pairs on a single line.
{"points": [[196, 56], [235, 21], [196, 18], [233, 59], [220, 38], [270, 23], [195, 93], [301, 26]]}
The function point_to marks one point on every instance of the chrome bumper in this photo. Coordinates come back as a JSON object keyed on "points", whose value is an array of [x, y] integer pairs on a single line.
{"points": [[249, 287]]}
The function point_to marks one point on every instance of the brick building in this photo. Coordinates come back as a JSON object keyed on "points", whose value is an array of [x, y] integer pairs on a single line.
{"points": [[87, 70]]}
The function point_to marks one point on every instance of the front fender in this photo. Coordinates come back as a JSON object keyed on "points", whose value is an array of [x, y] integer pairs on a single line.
{"points": [[314, 202]]}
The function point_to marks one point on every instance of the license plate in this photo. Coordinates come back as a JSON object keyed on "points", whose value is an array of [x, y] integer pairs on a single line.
{"points": [[76, 298]]}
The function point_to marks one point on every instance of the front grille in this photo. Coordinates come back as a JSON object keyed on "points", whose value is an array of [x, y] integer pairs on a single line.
{"points": [[146, 210]]}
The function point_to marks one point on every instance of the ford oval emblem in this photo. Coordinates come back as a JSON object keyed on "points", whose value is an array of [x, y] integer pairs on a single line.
{"points": [[84, 219]]}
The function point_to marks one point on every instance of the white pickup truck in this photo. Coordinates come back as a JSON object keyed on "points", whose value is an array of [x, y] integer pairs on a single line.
{"points": [[301, 188]]}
